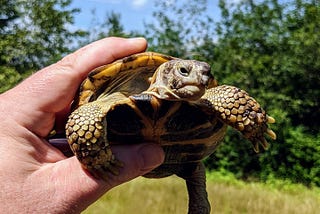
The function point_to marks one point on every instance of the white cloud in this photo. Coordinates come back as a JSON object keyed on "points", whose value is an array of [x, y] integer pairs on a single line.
{"points": [[134, 3], [138, 3], [234, 1], [106, 1]]}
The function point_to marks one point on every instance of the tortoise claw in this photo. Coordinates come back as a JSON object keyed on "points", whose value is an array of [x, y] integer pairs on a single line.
{"points": [[257, 136], [270, 119], [263, 142], [256, 147], [271, 134]]}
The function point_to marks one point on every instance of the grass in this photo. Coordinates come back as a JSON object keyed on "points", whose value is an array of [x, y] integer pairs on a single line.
{"points": [[227, 195]]}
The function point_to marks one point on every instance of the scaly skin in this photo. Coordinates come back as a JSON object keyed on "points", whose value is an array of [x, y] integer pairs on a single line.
{"points": [[236, 108], [86, 134]]}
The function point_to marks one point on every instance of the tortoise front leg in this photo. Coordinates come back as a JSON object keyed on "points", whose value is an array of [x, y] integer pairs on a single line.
{"points": [[236, 108], [195, 176], [86, 134]]}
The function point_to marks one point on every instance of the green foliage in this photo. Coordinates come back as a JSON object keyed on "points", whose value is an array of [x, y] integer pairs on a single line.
{"points": [[33, 35], [275, 47], [9, 77], [177, 28], [110, 25], [300, 157], [272, 51]]}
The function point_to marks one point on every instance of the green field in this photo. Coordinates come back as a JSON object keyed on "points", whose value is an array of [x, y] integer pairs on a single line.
{"points": [[226, 195]]}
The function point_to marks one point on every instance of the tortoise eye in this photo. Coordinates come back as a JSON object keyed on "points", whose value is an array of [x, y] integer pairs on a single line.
{"points": [[184, 72]]}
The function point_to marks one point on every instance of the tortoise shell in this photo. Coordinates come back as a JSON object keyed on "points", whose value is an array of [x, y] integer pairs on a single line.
{"points": [[178, 126], [151, 97]]}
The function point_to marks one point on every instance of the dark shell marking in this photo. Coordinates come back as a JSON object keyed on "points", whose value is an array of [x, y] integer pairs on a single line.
{"points": [[184, 138]]}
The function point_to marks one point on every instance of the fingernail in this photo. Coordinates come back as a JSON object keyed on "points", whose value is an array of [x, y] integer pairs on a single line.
{"points": [[140, 41], [135, 39], [152, 156]]}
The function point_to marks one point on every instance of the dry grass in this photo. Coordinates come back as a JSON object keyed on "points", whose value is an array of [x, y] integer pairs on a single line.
{"points": [[169, 195]]}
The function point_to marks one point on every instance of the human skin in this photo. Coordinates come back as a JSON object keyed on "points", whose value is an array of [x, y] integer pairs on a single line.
{"points": [[36, 177]]}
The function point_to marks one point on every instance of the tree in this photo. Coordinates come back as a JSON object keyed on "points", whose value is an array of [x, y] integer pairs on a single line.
{"points": [[271, 49], [33, 35], [110, 25], [178, 28]]}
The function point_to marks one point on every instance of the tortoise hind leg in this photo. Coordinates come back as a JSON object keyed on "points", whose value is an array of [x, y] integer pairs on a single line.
{"points": [[86, 134], [194, 174], [236, 108]]}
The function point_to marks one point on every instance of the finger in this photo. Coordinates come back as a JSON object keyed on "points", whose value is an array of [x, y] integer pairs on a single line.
{"points": [[83, 189], [53, 88]]}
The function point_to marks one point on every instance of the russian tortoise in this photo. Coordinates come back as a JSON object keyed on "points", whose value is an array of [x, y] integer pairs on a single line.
{"points": [[150, 97]]}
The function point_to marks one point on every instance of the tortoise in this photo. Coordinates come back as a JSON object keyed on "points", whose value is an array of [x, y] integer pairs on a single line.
{"points": [[151, 97]]}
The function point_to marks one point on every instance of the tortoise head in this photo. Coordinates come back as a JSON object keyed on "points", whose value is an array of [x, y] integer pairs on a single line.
{"points": [[180, 80]]}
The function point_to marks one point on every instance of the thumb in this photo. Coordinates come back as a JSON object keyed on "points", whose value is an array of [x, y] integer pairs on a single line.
{"points": [[79, 189]]}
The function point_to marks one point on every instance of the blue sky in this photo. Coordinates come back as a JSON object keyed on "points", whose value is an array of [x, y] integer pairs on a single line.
{"points": [[133, 12]]}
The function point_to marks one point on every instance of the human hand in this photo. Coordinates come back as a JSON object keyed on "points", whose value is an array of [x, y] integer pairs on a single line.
{"points": [[35, 177]]}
